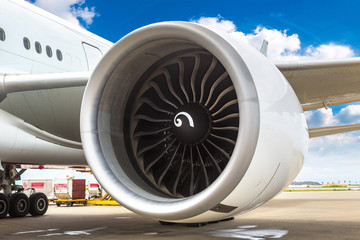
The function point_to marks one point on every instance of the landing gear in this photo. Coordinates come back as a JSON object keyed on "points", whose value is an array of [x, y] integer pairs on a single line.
{"points": [[8, 176], [18, 204], [38, 204], [4, 206]]}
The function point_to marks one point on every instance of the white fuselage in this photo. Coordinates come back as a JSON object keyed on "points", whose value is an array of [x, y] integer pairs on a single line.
{"points": [[64, 48]]}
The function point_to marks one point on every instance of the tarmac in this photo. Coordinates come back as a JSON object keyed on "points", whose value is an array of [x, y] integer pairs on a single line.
{"points": [[291, 215]]}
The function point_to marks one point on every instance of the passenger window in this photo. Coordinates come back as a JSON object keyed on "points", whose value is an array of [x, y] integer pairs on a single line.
{"points": [[26, 43], [49, 51], [38, 47], [2, 34], [59, 55]]}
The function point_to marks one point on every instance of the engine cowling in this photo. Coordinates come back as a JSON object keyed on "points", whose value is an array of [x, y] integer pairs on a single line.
{"points": [[184, 124]]}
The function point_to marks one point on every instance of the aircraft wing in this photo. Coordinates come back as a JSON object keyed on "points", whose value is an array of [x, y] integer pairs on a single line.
{"points": [[323, 83]]}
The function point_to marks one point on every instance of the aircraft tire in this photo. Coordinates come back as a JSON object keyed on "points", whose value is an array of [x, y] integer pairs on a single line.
{"points": [[38, 204], [4, 206], [19, 205]]}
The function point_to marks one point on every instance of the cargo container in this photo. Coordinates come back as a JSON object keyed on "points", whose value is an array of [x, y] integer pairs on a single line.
{"points": [[40, 185], [69, 188], [93, 188]]}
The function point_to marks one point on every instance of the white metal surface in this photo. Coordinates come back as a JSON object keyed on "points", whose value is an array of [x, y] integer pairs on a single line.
{"points": [[55, 110], [23, 143], [39, 91], [271, 120]]}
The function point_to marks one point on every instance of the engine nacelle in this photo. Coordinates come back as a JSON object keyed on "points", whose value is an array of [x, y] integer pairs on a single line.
{"points": [[184, 124]]}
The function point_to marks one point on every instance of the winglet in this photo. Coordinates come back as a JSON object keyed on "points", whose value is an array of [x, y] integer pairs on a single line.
{"points": [[264, 48]]}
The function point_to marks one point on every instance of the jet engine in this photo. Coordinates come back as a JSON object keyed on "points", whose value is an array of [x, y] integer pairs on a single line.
{"points": [[182, 123]]}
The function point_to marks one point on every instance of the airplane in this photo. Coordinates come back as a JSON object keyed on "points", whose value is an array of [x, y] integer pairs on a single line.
{"points": [[178, 122]]}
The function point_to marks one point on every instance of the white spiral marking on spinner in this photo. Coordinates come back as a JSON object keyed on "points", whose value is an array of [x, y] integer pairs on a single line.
{"points": [[178, 122]]}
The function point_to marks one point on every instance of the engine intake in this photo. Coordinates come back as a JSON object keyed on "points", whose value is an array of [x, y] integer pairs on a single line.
{"points": [[170, 121], [183, 122]]}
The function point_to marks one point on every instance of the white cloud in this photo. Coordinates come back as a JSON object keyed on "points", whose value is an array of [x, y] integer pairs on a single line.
{"points": [[332, 142], [70, 10], [328, 169], [321, 118], [338, 153], [218, 23], [332, 158], [85, 14], [349, 115], [324, 118], [281, 45], [329, 51]]}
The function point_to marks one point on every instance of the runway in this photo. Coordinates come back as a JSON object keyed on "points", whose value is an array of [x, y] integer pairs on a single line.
{"points": [[291, 215]]}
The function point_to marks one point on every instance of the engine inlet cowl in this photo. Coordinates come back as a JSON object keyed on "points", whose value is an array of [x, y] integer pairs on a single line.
{"points": [[170, 120]]}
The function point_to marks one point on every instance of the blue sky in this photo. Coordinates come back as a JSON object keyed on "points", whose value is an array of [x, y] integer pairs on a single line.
{"points": [[295, 29], [317, 22]]}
